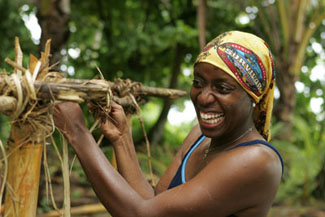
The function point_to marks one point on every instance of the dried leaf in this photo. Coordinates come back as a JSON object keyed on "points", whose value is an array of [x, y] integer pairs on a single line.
{"points": [[45, 59], [18, 56], [32, 63]]}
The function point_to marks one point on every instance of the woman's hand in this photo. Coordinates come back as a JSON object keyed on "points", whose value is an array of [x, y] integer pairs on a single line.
{"points": [[69, 119], [115, 127]]}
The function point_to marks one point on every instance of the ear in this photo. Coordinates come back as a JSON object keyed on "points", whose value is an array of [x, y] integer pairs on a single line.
{"points": [[253, 103]]}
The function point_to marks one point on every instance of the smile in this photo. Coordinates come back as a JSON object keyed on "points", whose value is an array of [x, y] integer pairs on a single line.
{"points": [[211, 118]]}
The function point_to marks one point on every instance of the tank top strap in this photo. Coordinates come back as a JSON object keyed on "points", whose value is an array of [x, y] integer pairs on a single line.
{"points": [[257, 141], [179, 177], [188, 154]]}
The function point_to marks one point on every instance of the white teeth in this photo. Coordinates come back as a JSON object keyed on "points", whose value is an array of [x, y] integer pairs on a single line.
{"points": [[211, 118]]}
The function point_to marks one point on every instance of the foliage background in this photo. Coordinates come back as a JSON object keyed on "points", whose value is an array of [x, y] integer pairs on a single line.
{"points": [[149, 42]]}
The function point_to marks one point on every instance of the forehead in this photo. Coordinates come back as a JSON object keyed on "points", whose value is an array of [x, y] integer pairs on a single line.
{"points": [[211, 72]]}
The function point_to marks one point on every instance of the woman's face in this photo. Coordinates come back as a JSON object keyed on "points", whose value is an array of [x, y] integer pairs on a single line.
{"points": [[223, 108]]}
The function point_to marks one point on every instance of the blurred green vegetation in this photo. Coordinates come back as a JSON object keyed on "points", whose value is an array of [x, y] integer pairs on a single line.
{"points": [[137, 40]]}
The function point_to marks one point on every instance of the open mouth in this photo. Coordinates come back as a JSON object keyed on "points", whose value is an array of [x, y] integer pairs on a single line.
{"points": [[211, 118]]}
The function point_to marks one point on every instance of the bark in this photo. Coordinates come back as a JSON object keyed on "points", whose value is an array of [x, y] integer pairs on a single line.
{"points": [[53, 17], [157, 131]]}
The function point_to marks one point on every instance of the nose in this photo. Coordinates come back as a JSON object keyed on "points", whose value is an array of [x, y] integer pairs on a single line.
{"points": [[206, 97]]}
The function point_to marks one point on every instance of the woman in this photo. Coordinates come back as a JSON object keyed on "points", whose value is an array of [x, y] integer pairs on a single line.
{"points": [[224, 168]]}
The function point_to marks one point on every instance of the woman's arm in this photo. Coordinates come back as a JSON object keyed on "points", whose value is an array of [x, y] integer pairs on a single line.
{"points": [[234, 181], [116, 129], [69, 119]]}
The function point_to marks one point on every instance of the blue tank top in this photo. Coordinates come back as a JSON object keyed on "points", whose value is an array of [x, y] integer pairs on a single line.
{"points": [[179, 177]]}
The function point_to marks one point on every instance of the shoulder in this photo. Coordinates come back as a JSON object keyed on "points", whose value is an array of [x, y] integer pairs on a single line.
{"points": [[255, 161], [241, 180], [251, 174], [257, 158]]}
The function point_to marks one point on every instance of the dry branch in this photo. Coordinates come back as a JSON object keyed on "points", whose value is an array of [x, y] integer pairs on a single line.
{"points": [[95, 88], [77, 90], [80, 210]]}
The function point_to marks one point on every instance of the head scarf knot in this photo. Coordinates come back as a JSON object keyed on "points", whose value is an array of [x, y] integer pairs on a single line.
{"points": [[248, 60]]}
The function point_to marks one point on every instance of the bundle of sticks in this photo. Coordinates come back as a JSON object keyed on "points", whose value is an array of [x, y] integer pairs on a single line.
{"points": [[28, 94], [60, 89]]}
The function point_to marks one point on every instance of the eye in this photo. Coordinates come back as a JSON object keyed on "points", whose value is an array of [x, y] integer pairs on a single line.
{"points": [[224, 88], [197, 83]]}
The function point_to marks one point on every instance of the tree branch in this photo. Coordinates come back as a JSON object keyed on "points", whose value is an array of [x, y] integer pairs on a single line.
{"points": [[201, 22], [284, 25], [312, 26], [299, 27]]}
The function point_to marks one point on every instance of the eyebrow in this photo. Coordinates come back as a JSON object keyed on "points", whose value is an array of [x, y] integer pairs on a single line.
{"points": [[197, 74], [222, 79]]}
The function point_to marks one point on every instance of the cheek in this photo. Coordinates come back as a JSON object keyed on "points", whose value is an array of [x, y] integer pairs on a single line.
{"points": [[238, 105], [245, 106], [193, 94], [247, 101]]}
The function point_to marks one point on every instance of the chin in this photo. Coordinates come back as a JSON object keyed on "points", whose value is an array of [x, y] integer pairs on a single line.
{"points": [[210, 133], [210, 130]]}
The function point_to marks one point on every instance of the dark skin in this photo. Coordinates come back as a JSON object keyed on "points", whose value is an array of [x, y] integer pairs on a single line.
{"points": [[242, 181]]}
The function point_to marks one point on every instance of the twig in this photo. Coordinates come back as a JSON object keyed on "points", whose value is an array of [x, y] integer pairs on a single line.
{"points": [[146, 139], [4, 181], [18, 56], [66, 180], [49, 181], [14, 65]]}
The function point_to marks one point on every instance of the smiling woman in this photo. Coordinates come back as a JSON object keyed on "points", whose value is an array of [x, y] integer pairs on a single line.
{"points": [[222, 106], [225, 167]]}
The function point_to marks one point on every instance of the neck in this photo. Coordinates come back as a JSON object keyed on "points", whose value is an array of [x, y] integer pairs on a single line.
{"points": [[221, 144]]}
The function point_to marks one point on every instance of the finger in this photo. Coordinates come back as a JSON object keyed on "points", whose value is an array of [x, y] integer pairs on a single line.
{"points": [[56, 112], [112, 120], [116, 105]]}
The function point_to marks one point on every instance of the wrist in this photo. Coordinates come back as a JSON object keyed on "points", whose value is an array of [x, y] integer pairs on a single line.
{"points": [[123, 140], [77, 135], [124, 148]]}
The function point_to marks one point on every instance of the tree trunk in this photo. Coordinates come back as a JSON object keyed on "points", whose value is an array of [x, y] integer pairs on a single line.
{"points": [[105, 16], [23, 175], [157, 131], [319, 191], [53, 17], [201, 22], [284, 108]]}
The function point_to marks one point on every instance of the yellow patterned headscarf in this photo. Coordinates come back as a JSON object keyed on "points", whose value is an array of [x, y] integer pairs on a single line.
{"points": [[248, 60]]}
